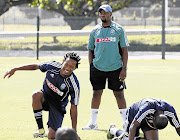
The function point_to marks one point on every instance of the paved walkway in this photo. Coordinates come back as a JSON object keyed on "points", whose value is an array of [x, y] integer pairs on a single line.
{"points": [[84, 54]]}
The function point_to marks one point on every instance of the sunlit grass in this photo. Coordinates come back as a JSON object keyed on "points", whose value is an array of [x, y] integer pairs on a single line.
{"points": [[145, 78]]}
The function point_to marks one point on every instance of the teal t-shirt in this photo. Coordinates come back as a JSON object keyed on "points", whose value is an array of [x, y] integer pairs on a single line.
{"points": [[104, 43]]}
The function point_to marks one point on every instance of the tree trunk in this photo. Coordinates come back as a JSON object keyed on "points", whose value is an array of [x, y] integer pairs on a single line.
{"points": [[4, 6], [77, 23]]}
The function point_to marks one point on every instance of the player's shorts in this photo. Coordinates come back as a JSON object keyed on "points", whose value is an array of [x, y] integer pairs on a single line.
{"points": [[55, 116], [145, 127], [98, 79]]}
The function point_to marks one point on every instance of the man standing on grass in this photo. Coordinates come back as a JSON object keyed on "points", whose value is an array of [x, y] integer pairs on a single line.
{"points": [[108, 56], [59, 83]]}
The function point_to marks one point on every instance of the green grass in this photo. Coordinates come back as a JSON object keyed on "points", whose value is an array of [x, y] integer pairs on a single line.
{"points": [[146, 78], [80, 41], [154, 39]]}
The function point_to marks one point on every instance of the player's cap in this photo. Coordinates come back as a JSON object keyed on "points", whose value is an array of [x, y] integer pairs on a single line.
{"points": [[105, 7]]}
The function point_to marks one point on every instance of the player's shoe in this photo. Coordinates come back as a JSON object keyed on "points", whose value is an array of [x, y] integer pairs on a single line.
{"points": [[40, 133], [90, 126], [109, 135]]}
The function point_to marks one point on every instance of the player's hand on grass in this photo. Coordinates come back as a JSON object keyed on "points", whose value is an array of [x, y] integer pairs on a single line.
{"points": [[79, 138], [10, 72]]}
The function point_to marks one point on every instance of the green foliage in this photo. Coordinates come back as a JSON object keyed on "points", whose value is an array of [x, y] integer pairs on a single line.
{"points": [[78, 7], [67, 8], [46, 4]]}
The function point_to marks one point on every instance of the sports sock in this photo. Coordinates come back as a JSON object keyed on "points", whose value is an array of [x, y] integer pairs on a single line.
{"points": [[124, 117], [113, 131], [94, 114], [123, 114], [38, 117]]}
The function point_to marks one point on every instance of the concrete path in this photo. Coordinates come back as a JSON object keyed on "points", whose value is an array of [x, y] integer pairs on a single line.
{"points": [[84, 54]]}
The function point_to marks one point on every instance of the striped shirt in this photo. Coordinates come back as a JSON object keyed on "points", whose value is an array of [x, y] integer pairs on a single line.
{"points": [[144, 111], [106, 43], [56, 89]]}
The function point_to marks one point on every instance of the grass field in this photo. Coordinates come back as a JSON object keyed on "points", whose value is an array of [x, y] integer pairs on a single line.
{"points": [[146, 78]]}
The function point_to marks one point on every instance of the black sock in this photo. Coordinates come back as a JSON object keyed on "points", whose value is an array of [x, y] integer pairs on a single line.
{"points": [[38, 117]]}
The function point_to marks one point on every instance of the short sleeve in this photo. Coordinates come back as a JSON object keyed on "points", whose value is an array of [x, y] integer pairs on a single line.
{"points": [[123, 38], [91, 41], [45, 66], [172, 116], [75, 90]]}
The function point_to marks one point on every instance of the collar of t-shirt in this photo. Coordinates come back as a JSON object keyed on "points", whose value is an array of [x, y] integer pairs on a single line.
{"points": [[107, 27]]}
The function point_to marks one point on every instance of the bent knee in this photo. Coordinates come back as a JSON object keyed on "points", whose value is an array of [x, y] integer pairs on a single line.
{"points": [[51, 134], [37, 95]]}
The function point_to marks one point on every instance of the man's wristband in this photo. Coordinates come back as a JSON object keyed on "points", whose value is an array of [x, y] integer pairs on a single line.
{"points": [[124, 68]]}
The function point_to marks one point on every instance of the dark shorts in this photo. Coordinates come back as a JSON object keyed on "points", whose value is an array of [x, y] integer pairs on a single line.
{"points": [[55, 116], [145, 127], [98, 79]]}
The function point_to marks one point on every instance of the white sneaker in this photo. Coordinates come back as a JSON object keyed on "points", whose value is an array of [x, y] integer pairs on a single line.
{"points": [[109, 135], [90, 126], [40, 133], [112, 125]]}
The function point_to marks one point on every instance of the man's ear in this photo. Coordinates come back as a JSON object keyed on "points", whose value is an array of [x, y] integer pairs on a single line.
{"points": [[110, 13]]}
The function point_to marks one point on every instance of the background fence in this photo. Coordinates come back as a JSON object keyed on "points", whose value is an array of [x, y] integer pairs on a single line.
{"points": [[141, 16], [23, 18]]}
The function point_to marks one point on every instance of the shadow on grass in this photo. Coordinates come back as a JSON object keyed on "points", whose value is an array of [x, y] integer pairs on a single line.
{"points": [[61, 47], [102, 130], [134, 46]]}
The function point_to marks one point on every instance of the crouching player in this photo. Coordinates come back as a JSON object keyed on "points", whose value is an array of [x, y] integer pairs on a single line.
{"points": [[149, 115], [59, 83]]}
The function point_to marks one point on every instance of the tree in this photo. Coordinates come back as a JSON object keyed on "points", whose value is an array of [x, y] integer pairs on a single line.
{"points": [[4, 6], [69, 8], [81, 8], [149, 3], [86, 9]]}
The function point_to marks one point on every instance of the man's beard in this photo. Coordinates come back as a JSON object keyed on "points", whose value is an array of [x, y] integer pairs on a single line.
{"points": [[104, 21]]}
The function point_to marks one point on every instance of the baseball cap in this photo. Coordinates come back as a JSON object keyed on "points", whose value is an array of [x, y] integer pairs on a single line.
{"points": [[106, 8]]}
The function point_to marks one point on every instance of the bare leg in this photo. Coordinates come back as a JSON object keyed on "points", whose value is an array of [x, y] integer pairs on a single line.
{"points": [[96, 99], [51, 133], [151, 135], [37, 100], [119, 95]]}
